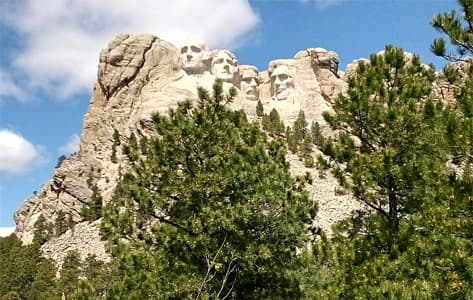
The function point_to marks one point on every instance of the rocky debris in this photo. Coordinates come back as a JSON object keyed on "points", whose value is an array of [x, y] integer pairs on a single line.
{"points": [[333, 203], [447, 90], [84, 238]]}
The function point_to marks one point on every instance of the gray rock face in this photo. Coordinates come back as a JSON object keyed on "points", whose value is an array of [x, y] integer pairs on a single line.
{"points": [[142, 74]]}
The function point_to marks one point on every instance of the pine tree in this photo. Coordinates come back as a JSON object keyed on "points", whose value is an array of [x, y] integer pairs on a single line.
{"points": [[93, 211], [300, 127], [44, 284], [316, 133], [144, 145], [116, 138], [291, 140], [388, 108], [457, 26], [60, 160], [259, 109], [266, 123], [133, 141], [20, 267], [211, 211], [306, 151], [70, 272], [70, 222], [43, 230], [113, 156], [60, 225], [116, 143], [276, 124], [399, 170]]}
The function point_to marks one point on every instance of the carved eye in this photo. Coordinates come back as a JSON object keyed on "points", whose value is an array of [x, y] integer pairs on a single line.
{"points": [[195, 49], [283, 77], [184, 50], [230, 62], [219, 61]]}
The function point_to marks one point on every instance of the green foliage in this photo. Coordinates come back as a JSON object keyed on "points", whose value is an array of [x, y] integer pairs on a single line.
{"points": [[11, 296], [113, 156], [259, 109], [316, 132], [306, 151], [60, 225], [60, 160], [427, 253], [116, 138], [460, 126], [43, 230], [292, 143], [133, 141], [26, 275], [44, 284], [273, 124], [299, 140], [389, 110], [70, 272], [211, 211], [116, 143], [144, 145], [458, 28], [96, 278], [70, 222], [22, 269], [300, 127], [93, 211]]}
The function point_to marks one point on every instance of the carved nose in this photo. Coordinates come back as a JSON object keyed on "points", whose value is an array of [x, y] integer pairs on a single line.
{"points": [[226, 68], [189, 57]]}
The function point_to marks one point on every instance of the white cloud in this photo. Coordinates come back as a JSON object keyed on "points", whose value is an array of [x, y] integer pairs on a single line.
{"points": [[8, 88], [324, 3], [62, 39], [6, 231], [71, 146], [17, 155]]}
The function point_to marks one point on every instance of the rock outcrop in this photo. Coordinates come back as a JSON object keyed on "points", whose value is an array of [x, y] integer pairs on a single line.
{"points": [[142, 74]]}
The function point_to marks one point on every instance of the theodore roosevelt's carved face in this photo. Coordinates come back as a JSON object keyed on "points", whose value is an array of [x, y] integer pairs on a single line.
{"points": [[194, 56], [225, 65], [282, 82], [249, 82]]}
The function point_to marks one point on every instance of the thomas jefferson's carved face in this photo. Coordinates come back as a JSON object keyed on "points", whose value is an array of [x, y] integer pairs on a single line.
{"points": [[250, 83], [283, 83], [194, 55], [225, 66]]}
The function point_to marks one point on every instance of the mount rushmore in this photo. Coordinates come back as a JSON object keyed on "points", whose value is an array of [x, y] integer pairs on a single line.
{"points": [[142, 74]]}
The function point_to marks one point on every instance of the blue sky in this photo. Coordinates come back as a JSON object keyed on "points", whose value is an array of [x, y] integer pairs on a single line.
{"points": [[49, 52]]}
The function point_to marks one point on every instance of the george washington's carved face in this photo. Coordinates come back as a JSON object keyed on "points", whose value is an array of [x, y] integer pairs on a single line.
{"points": [[194, 56], [225, 66], [283, 83]]}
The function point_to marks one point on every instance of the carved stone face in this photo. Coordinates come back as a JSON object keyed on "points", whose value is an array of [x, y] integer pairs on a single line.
{"points": [[249, 82], [225, 66], [194, 55], [282, 82]]}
